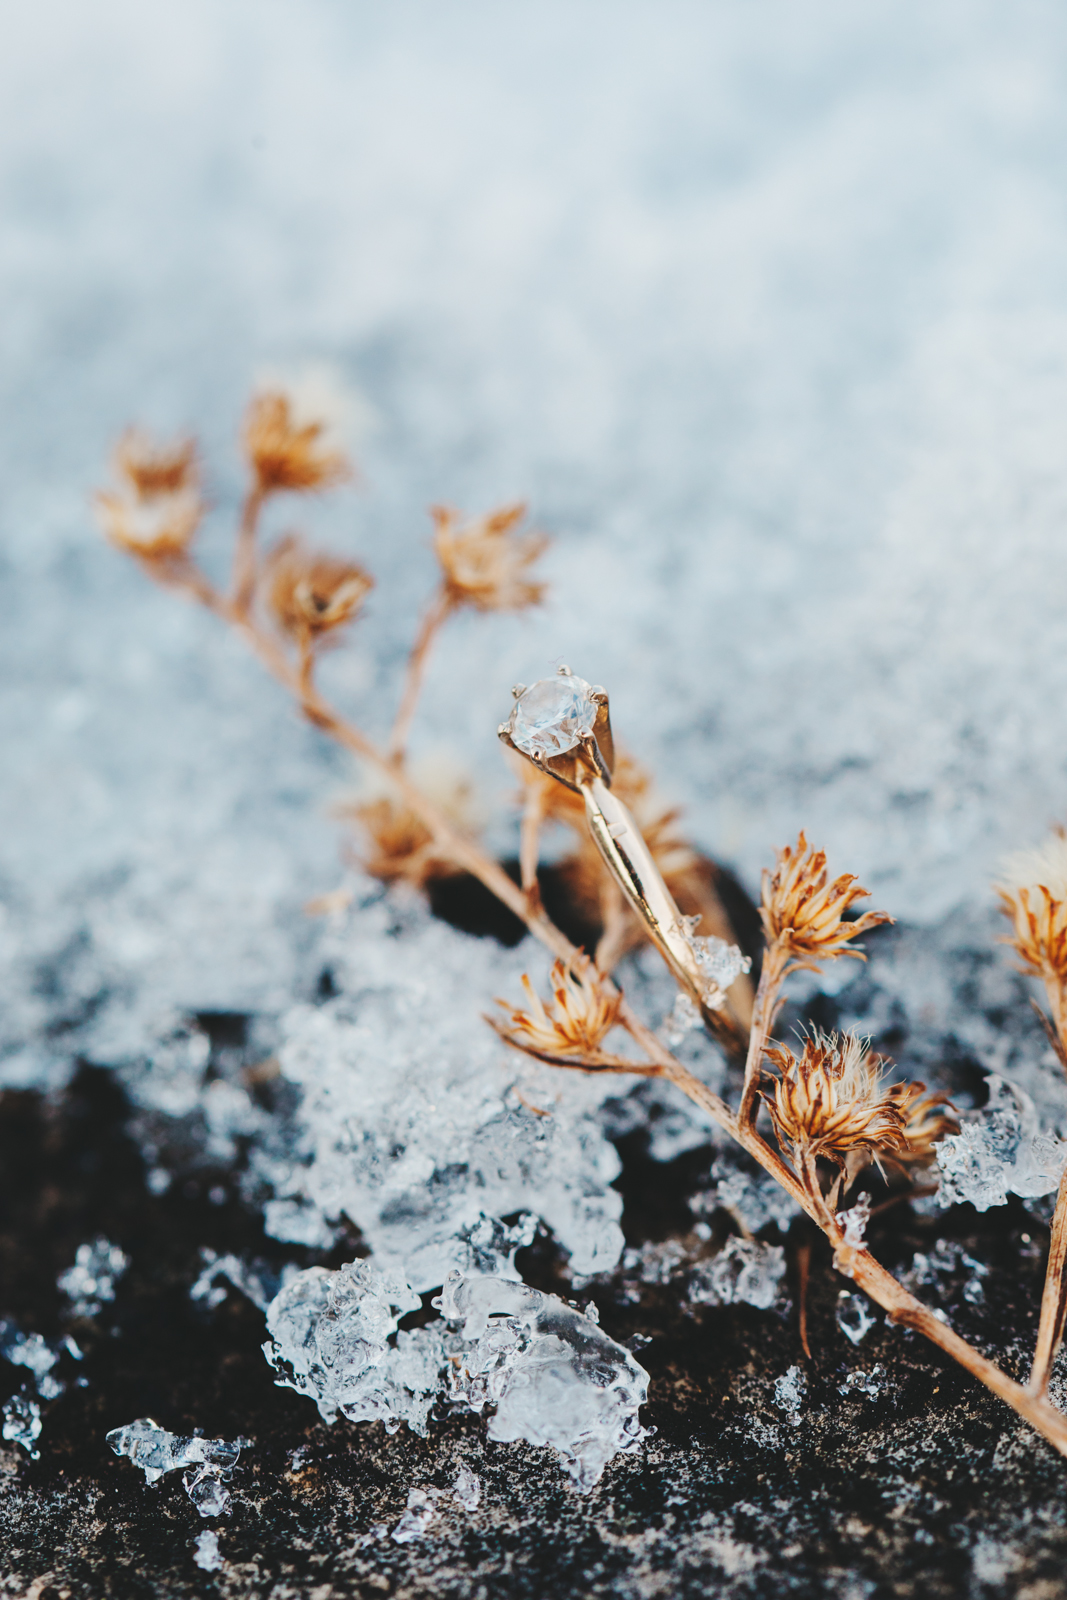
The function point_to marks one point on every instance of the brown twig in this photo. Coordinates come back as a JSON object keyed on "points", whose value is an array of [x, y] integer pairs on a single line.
{"points": [[243, 585], [764, 1011], [620, 928], [533, 814], [1054, 1297], [435, 615], [803, 1271]]}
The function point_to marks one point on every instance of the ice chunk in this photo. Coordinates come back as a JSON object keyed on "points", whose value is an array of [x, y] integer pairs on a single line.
{"points": [[491, 1244], [331, 1332], [854, 1316], [744, 1270], [747, 1192], [91, 1280], [467, 1489], [869, 1384], [416, 1519], [720, 963], [156, 1452], [554, 1377], [789, 1394], [945, 1262], [853, 1223], [257, 1280], [22, 1422], [1003, 1152], [207, 1491], [39, 1355], [683, 1019], [406, 1123], [206, 1551], [656, 1261]]}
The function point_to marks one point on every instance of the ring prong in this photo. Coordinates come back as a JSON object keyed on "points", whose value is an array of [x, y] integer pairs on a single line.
{"points": [[563, 672], [599, 695], [517, 689]]}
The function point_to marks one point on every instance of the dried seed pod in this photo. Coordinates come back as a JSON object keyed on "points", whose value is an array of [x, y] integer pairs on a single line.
{"points": [[286, 451], [804, 913], [575, 1020], [1033, 893], [831, 1100], [157, 512], [485, 564], [312, 594]]}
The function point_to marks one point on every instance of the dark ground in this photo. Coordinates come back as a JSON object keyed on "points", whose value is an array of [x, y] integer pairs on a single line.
{"points": [[931, 1489]]}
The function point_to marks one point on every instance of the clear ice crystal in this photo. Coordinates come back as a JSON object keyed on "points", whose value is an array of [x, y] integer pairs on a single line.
{"points": [[1002, 1152], [553, 1377], [406, 1123], [206, 1552], [855, 1317], [869, 1384], [948, 1261], [720, 963], [22, 1423], [38, 1355], [683, 1019], [257, 1280], [91, 1281], [748, 1193], [156, 1452], [467, 1489], [553, 715], [853, 1223], [416, 1519], [790, 1391], [745, 1270]]}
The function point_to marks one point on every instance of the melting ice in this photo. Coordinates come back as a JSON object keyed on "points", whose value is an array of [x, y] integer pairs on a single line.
{"points": [[1001, 1153], [156, 1452], [744, 1270], [91, 1280], [551, 1375], [22, 1423]]}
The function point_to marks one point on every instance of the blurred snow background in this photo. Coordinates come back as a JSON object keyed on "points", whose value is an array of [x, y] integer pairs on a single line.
{"points": [[763, 308]]}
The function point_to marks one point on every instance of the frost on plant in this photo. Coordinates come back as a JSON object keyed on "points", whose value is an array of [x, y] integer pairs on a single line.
{"points": [[157, 1452], [91, 1280], [744, 1270], [549, 1373], [1004, 1152]]}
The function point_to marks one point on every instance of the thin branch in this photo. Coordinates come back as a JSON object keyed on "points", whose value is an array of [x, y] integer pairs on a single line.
{"points": [[436, 613], [803, 1271], [763, 1015], [243, 585], [533, 814], [1054, 1297], [621, 930]]}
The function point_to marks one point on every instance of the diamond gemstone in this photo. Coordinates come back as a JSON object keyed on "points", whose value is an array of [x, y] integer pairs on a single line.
{"points": [[553, 716]]}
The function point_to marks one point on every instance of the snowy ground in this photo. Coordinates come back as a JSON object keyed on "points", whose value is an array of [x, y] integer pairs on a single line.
{"points": [[762, 308]]}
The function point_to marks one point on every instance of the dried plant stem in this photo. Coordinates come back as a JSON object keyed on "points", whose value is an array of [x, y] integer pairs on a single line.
{"points": [[435, 615], [858, 1264], [533, 814], [1054, 1297], [803, 1271], [244, 554], [620, 928], [764, 1010]]}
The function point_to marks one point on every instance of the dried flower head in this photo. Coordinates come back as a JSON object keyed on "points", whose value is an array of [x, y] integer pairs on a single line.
{"points": [[312, 594], [804, 912], [486, 564], [573, 1023], [288, 451], [400, 848], [831, 1101], [157, 512], [1033, 893]]}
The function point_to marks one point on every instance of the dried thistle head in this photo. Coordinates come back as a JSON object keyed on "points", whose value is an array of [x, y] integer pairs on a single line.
{"points": [[399, 846], [287, 450], [574, 1022], [311, 594], [484, 562], [156, 514], [1033, 893], [831, 1101], [804, 913]]}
